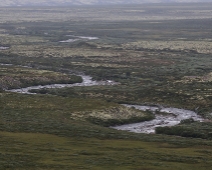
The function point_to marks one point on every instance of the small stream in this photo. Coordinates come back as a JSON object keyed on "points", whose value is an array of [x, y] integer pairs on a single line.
{"points": [[3, 48], [172, 118], [87, 81], [78, 38]]}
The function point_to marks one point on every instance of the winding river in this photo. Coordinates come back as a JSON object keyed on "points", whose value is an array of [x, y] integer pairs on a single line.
{"points": [[172, 117], [87, 81]]}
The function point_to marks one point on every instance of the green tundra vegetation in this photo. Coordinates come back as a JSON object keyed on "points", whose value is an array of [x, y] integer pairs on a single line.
{"points": [[156, 54], [19, 77]]}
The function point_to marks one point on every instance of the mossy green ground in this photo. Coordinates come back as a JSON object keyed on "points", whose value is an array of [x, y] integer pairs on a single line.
{"points": [[44, 151], [56, 131], [18, 76], [39, 132]]}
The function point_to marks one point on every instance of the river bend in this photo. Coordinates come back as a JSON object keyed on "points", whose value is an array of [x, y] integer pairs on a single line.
{"points": [[87, 81], [172, 118]]}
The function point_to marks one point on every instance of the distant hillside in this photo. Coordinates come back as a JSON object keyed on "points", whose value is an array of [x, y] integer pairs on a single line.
{"points": [[85, 2]]}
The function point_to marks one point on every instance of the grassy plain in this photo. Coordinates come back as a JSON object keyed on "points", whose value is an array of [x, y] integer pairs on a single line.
{"points": [[158, 54]]}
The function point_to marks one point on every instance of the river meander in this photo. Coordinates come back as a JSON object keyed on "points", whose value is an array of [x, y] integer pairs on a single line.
{"points": [[87, 81], [172, 116]]}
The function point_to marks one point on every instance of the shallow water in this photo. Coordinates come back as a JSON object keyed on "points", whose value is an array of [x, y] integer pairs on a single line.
{"points": [[77, 38], [2, 64], [3, 48], [87, 81], [173, 118], [84, 37], [89, 38], [69, 40]]}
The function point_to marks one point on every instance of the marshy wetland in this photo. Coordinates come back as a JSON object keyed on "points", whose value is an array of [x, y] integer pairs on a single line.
{"points": [[143, 55]]}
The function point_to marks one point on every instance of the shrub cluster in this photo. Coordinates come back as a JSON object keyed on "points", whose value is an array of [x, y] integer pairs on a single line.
{"points": [[188, 128]]}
